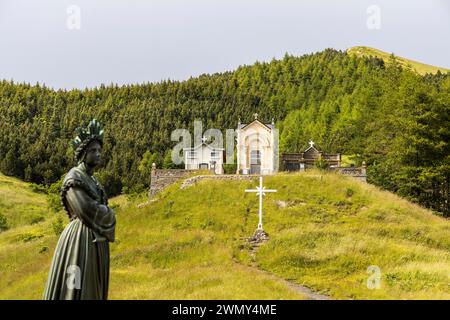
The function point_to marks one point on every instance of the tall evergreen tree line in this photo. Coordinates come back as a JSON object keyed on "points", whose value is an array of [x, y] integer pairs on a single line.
{"points": [[394, 119]]}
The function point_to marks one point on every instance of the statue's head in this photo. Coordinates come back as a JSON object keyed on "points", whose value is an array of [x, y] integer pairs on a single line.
{"points": [[92, 154], [88, 144]]}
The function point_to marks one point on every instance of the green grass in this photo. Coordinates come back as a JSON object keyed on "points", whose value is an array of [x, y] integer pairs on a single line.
{"points": [[419, 67], [325, 231], [19, 204], [156, 256], [347, 160]]}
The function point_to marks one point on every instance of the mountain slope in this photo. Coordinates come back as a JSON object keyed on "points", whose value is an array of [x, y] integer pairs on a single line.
{"points": [[19, 204], [159, 263], [419, 67], [325, 231], [24, 247], [345, 104]]}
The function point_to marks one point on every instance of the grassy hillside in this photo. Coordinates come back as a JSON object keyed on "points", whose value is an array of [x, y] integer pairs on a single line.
{"points": [[19, 204], [325, 230], [25, 247], [154, 257], [419, 67]]}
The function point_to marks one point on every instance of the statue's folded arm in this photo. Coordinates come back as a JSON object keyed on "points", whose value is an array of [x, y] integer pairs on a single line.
{"points": [[93, 214]]}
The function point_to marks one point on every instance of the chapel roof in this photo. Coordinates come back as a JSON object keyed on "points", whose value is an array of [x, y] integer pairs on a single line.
{"points": [[271, 126]]}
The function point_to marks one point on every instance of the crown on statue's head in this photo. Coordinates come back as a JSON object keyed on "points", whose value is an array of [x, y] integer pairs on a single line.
{"points": [[85, 136]]}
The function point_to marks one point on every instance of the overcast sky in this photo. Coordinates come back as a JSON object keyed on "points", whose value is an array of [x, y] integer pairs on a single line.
{"points": [[67, 44]]}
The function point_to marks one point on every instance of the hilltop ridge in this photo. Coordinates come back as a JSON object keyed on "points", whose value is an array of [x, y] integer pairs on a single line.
{"points": [[419, 67]]}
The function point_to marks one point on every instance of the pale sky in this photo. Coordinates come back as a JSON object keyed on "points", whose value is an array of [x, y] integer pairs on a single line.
{"points": [[131, 41]]}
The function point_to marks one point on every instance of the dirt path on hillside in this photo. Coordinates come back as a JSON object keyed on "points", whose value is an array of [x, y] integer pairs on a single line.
{"points": [[311, 295], [256, 241]]}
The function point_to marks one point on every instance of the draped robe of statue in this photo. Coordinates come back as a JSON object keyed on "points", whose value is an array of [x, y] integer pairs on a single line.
{"points": [[80, 265]]}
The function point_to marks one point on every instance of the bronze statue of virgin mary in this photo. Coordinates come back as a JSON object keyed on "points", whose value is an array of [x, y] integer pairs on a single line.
{"points": [[80, 265]]}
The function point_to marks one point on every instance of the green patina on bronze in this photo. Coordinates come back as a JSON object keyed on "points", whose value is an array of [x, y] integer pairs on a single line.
{"points": [[80, 265]]}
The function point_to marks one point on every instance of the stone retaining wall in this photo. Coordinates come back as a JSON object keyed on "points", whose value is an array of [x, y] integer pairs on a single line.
{"points": [[359, 173], [193, 180], [162, 178]]}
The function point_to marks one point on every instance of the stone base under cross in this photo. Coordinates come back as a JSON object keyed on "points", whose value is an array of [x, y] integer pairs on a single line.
{"points": [[259, 236]]}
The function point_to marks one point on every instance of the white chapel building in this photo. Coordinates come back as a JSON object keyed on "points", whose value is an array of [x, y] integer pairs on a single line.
{"points": [[257, 148]]}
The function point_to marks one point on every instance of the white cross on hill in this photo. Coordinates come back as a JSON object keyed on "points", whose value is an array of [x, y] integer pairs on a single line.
{"points": [[260, 191]]}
